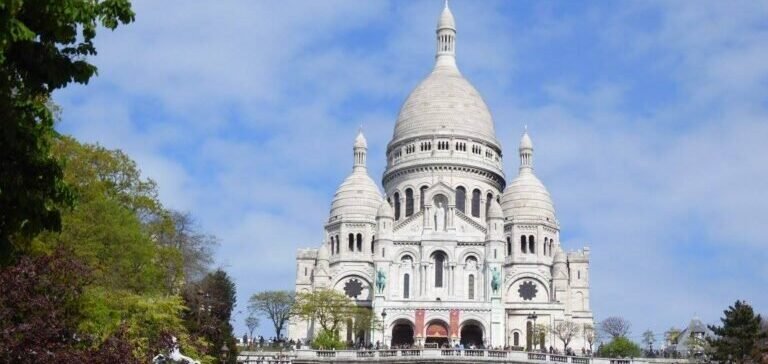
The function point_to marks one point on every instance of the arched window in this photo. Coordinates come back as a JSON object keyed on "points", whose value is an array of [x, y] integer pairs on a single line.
{"points": [[408, 202], [333, 246], [476, 203], [546, 241], [439, 260], [351, 242], [360, 242], [461, 199], [509, 245], [488, 200], [338, 244], [523, 245], [516, 339], [422, 192], [407, 286], [397, 206], [349, 330], [471, 288], [531, 244], [373, 239]]}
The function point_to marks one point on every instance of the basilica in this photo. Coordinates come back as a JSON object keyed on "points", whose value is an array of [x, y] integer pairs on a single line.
{"points": [[452, 252]]}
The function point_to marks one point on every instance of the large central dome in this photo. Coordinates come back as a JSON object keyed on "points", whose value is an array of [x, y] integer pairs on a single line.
{"points": [[444, 103]]}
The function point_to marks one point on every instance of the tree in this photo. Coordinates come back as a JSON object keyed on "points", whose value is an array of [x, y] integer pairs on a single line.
{"points": [[672, 335], [252, 322], [327, 307], [590, 335], [275, 305], [40, 308], [620, 347], [566, 331], [615, 326], [737, 339], [211, 302], [44, 46], [178, 230], [649, 339]]}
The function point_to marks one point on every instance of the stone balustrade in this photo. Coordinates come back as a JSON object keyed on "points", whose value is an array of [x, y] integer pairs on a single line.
{"points": [[432, 356]]}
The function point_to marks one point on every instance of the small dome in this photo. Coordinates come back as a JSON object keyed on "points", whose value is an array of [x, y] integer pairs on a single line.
{"points": [[357, 196], [360, 141], [526, 142], [526, 197], [385, 210], [322, 253], [446, 19], [495, 212]]}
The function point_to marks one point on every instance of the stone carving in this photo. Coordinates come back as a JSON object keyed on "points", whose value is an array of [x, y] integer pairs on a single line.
{"points": [[381, 280], [353, 288], [527, 291], [440, 217], [495, 280]]}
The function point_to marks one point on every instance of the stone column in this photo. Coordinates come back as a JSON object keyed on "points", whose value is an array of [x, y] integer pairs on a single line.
{"points": [[482, 208]]}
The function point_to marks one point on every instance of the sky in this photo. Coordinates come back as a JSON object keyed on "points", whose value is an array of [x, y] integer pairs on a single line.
{"points": [[649, 119]]}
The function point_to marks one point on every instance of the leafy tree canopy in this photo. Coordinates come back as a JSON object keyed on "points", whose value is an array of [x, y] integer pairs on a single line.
{"points": [[620, 347], [277, 306], [44, 46]]}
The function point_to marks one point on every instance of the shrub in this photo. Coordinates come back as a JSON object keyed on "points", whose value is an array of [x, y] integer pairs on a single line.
{"points": [[327, 340], [620, 347]]}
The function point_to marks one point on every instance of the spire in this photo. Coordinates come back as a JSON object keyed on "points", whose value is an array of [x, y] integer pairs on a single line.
{"points": [[526, 152], [446, 41], [360, 150]]}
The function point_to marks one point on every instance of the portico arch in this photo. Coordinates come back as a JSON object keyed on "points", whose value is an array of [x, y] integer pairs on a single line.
{"points": [[437, 332], [402, 333], [471, 334]]}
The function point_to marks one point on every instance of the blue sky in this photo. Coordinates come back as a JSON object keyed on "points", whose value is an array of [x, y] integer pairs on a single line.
{"points": [[649, 118]]}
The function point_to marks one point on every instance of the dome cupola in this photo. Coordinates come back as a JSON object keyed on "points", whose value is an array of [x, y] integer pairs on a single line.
{"points": [[526, 197], [357, 196]]}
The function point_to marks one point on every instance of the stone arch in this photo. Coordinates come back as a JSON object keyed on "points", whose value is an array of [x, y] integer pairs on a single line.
{"points": [[402, 332], [409, 251], [472, 333], [471, 251], [437, 331], [440, 189]]}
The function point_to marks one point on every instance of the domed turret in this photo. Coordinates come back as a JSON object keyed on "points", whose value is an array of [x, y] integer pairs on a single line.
{"points": [[358, 195], [494, 211], [526, 197], [385, 211]]}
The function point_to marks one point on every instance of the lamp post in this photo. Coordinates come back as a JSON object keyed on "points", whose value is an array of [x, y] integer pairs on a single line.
{"points": [[533, 317], [224, 353], [383, 326]]}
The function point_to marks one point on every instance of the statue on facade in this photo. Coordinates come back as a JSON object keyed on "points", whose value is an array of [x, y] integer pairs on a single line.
{"points": [[381, 280], [439, 217], [495, 280]]}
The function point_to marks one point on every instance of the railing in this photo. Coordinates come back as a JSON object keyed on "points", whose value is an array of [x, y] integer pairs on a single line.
{"points": [[450, 352], [497, 354], [387, 353], [579, 360], [410, 352], [326, 354], [620, 361], [538, 356], [366, 354], [558, 358], [476, 353]]}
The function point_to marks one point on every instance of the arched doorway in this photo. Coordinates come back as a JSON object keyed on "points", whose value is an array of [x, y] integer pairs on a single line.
{"points": [[437, 333], [402, 334], [471, 335]]}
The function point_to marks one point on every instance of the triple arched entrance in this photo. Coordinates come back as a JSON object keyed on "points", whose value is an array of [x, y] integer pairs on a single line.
{"points": [[437, 332]]}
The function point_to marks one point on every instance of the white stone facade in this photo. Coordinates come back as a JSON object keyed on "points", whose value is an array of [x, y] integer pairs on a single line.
{"points": [[445, 223]]}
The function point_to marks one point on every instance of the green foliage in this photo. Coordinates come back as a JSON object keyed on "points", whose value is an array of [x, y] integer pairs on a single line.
{"points": [[328, 308], [44, 46], [739, 337], [277, 306], [210, 303], [327, 340], [620, 347]]}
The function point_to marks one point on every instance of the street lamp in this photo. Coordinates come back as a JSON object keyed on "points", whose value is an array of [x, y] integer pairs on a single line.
{"points": [[383, 326], [224, 353], [533, 317]]}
